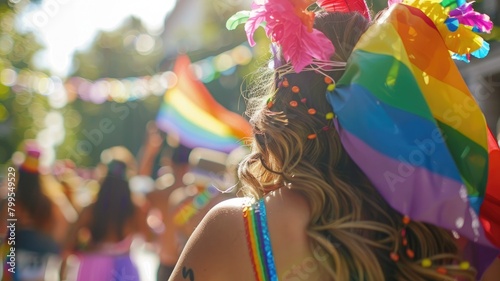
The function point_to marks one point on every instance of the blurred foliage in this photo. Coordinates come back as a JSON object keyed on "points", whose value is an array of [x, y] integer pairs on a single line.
{"points": [[17, 5], [16, 48], [19, 110], [105, 125], [128, 51]]}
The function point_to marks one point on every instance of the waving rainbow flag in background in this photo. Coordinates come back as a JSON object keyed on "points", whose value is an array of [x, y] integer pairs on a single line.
{"points": [[407, 118], [190, 112]]}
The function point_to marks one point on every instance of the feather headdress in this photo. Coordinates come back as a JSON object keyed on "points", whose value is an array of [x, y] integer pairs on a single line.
{"points": [[289, 24]]}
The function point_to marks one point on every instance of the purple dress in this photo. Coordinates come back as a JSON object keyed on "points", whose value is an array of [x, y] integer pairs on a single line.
{"points": [[111, 262]]}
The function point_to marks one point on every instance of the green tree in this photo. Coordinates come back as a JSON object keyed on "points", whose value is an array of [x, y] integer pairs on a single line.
{"points": [[16, 52], [129, 51]]}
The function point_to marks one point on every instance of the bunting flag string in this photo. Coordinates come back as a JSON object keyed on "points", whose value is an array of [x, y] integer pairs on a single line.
{"points": [[61, 92]]}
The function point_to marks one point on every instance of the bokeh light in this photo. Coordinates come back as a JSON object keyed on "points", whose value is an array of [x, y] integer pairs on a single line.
{"points": [[144, 44], [223, 62], [72, 118], [8, 77], [242, 55], [59, 97], [44, 85], [169, 79], [6, 44]]}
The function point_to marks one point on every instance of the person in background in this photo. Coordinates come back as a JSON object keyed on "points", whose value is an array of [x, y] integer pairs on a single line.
{"points": [[41, 224], [101, 238], [166, 184], [65, 173], [174, 165], [208, 183]]}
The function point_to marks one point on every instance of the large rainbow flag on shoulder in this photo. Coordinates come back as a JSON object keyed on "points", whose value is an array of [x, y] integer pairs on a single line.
{"points": [[190, 112], [407, 118]]}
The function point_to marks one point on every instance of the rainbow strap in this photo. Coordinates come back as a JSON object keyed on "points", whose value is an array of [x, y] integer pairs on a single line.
{"points": [[259, 242]]}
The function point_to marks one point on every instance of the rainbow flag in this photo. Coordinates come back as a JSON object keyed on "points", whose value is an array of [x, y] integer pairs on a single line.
{"points": [[190, 112], [407, 118]]}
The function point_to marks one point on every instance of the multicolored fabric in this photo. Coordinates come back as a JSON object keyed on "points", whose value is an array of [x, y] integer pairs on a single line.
{"points": [[259, 242], [407, 118], [190, 112]]}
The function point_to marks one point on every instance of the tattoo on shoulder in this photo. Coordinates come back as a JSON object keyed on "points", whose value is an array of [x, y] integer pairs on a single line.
{"points": [[187, 273]]}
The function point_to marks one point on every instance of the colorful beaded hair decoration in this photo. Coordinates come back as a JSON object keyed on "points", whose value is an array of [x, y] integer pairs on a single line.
{"points": [[299, 100], [307, 50]]}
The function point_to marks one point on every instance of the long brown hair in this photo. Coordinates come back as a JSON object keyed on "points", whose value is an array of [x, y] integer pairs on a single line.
{"points": [[32, 199], [349, 218], [113, 207]]}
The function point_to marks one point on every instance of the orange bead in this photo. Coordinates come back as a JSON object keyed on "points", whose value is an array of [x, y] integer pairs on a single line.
{"points": [[311, 111], [311, 136], [295, 89], [410, 253], [293, 103], [285, 83], [394, 257], [441, 270], [405, 241], [406, 219], [328, 80]]}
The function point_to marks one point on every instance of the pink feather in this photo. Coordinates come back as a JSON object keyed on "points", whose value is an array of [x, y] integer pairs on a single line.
{"points": [[345, 6], [299, 42]]}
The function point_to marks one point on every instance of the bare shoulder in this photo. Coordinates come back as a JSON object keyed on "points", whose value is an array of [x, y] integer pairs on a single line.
{"points": [[217, 249]]}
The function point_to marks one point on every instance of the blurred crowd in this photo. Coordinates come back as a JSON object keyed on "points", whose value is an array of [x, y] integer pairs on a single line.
{"points": [[79, 223]]}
